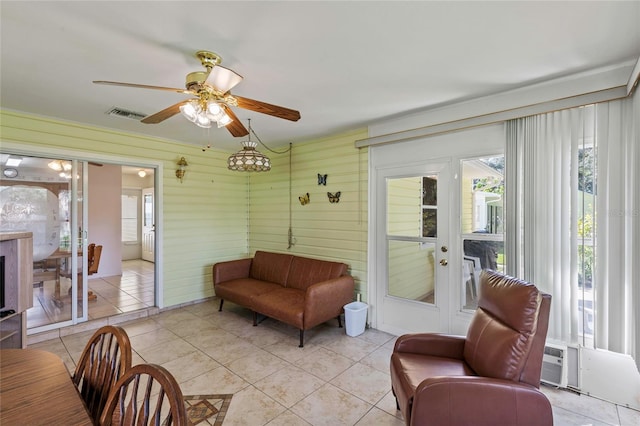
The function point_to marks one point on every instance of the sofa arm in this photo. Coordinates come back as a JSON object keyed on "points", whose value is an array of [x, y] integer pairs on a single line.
{"points": [[231, 270], [434, 344], [325, 300], [459, 400]]}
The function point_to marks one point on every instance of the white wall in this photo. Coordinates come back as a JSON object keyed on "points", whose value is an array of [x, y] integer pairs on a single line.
{"points": [[104, 194]]}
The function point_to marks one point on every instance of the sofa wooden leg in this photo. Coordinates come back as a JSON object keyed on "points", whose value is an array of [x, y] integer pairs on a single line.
{"points": [[301, 339], [221, 302], [255, 319], [339, 321]]}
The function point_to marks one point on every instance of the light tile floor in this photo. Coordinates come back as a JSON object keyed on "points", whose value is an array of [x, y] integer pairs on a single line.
{"points": [[334, 380], [131, 291]]}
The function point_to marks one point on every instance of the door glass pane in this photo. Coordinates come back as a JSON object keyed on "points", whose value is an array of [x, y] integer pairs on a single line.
{"points": [[148, 210], [430, 206], [412, 214], [411, 270], [404, 198], [82, 234], [482, 215], [38, 200]]}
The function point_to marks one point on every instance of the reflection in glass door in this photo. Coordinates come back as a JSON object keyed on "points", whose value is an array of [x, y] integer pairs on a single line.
{"points": [[40, 198]]}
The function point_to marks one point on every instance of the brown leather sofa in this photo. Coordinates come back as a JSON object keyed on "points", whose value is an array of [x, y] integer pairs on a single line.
{"points": [[296, 290], [489, 377]]}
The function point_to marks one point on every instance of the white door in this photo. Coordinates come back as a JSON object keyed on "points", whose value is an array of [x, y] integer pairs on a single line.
{"points": [[413, 247], [420, 205], [148, 225]]}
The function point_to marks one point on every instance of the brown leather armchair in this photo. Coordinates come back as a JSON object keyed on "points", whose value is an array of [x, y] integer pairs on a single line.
{"points": [[489, 377]]}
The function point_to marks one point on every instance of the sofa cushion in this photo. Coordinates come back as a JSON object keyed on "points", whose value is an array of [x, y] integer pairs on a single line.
{"points": [[242, 290], [272, 267], [283, 304], [305, 272], [500, 336]]}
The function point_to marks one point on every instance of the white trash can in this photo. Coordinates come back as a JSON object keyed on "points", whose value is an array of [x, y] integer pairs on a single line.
{"points": [[355, 318]]}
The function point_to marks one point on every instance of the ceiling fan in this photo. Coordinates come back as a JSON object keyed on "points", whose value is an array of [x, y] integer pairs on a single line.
{"points": [[213, 99]]}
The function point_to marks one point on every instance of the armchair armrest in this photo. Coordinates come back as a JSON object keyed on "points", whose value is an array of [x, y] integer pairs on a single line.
{"points": [[231, 270], [434, 344], [482, 401], [325, 300]]}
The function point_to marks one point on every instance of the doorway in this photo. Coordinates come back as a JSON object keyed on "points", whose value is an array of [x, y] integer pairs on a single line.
{"points": [[418, 247]]}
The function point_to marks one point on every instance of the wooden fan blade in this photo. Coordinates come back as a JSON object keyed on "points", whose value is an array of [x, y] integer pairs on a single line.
{"points": [[236, 128], [141, 86], [164, 114], [265, 108], [223, 79]]}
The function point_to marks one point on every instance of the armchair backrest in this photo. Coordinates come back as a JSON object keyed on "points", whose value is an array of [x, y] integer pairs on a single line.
{"points": [[507, 333]]}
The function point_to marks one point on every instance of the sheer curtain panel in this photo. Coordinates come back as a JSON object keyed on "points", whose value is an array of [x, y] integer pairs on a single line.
{"points": [[544, 208], [618, 228], [573, 206]]}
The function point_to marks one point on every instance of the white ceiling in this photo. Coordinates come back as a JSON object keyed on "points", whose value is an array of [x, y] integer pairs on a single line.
{"points": [[341, 64]]}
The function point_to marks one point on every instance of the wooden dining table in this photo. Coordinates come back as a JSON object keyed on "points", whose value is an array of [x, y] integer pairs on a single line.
{"points": [[36, 389]]}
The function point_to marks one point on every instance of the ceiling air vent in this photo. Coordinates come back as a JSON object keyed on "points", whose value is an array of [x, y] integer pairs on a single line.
{"points": [[124, 113]]}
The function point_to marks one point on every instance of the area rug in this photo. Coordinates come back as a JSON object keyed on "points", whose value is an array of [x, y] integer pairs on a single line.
{"points": [[207, 409]]}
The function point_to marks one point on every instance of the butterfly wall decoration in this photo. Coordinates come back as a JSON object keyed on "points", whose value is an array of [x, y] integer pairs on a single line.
{"points": [[334, 198], [322, 179], [304, 199]]}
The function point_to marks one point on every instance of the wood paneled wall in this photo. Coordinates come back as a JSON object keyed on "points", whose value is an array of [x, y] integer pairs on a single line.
{"points": [[320, 229]]}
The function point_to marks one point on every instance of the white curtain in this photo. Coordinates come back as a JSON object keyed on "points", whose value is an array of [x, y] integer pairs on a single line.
{"points": [[543, 203], [618, 227], [543, 206]]}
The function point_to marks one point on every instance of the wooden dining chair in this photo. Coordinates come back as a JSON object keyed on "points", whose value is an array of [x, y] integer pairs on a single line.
{"points": [[147, 394], [94, 252], [104, 360]]}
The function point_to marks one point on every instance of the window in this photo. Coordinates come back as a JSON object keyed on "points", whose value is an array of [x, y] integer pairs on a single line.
{"points": [[586, 235], [129, 219]]}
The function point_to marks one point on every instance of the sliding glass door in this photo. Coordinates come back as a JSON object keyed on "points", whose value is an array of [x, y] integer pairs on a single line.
{"points": [[45, 196]]}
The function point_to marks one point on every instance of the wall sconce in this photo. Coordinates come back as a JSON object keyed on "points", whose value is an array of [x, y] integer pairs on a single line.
{"points": [[182, 164]]}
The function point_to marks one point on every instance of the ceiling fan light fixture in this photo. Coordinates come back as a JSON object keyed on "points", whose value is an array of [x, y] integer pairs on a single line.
{"points": [[59, 166], [214, 108], [212, 92], [55, 165], [203, 121], [224, 120], [190, 110]]}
